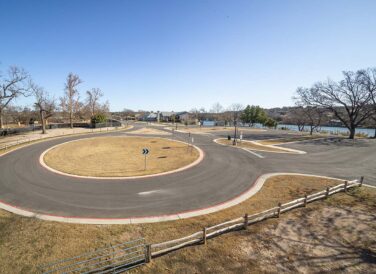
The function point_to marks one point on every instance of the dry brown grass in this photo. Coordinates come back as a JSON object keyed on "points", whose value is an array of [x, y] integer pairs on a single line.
{"points": [[119, 156], [28, 242], [4, 140], [215, 129], [254, 146], [149, 131], [289, 139]]}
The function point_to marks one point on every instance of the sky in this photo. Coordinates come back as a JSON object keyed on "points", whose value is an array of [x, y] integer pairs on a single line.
{"points": [[178, 55]]}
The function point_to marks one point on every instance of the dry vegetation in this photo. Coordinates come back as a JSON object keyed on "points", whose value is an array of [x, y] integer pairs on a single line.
{"points": [[149, 131], [254, 146], [215, 129], [119, 156], [31, 138], [294, 242], [290, 139]]}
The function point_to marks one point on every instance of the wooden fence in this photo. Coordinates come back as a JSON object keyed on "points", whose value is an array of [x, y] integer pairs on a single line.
{"points": [[201, 237]]}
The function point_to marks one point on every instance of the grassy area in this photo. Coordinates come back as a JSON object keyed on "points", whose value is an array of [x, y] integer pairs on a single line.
{"points": [[13, 147], [254, 146], [215, 129], [119, 156], [149, 131], [289, 139], [27, 242]]}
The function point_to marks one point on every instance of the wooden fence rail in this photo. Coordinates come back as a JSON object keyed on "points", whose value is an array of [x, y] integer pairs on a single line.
{"points": [[242, 222]]}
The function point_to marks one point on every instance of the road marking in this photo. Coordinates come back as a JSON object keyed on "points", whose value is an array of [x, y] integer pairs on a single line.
{"points": [[148, 192], [254, 153]]}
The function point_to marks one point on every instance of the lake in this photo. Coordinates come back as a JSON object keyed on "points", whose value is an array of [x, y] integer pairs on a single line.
{"points": [[332, 130]]}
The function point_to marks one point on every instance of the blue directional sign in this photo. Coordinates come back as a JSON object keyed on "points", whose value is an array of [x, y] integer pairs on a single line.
{"points": [[145, 151]]}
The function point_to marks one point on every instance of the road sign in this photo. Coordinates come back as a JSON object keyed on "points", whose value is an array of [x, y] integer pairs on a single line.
{"points": [[145, 151]]}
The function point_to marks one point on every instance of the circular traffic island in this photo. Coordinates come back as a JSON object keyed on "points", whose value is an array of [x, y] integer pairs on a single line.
{"points": [[120, 157]]}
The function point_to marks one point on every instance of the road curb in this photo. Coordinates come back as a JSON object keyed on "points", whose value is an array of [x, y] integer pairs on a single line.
{"points": [[196, 162], [255, 187]]}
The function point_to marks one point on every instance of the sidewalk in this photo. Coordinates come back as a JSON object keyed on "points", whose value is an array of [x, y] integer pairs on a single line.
{"points": [[12, 140]]}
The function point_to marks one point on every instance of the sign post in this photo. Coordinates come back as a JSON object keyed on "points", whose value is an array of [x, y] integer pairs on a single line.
{"points": [[145, 151]]}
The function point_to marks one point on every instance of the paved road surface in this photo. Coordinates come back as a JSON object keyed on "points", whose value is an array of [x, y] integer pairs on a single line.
{"points": [[224, 173]]}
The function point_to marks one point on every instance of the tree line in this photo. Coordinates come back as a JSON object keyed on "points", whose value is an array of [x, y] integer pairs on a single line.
{"points": [[16, 82], [235, 113]]}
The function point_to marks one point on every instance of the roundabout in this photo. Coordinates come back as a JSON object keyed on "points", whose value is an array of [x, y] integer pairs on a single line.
{"points": [[213, 178], [120, 157]]}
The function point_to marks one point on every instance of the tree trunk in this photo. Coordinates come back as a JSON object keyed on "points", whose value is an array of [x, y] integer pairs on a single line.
{"points": [[374, 136], [1, 119], [352, 132], [43, 122], [311, 131], [71, 119]]}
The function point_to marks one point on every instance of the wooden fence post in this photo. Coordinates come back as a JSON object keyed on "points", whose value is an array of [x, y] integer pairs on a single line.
{"points": [[148, 253], [204, 235], [346, 186], [279, 209], [327, 193], [361, 181], [305, 200], [245, 221]]}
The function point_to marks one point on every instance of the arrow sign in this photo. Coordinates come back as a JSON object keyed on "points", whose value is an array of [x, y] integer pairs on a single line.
{"points": [[145, 152]]}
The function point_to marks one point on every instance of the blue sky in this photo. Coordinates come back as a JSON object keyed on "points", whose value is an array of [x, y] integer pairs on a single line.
{"points": [[176, 55]]}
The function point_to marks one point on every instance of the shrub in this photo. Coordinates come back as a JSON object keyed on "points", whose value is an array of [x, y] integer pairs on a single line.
{"points": [[98, 118], [270, 123]]}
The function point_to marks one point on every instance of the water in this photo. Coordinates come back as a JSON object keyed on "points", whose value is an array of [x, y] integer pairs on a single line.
{"points": [[370, 132]]}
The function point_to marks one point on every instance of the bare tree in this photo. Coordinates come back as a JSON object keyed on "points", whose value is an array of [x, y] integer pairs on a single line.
{"points": [[44, 104], [236, 111], [11, 87], [313, 117], [368, 80], [296, 117], [92, 99], [347, 99], [217, 108], [71, 95]]}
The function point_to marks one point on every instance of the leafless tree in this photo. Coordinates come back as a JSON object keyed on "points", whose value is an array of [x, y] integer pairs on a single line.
{"points": [[313, 117], [368, 80], [71, 95], [11, 87], [92, 99], [44, 104], [295, 116], [347, 99], [236, 111], [217, 108]]}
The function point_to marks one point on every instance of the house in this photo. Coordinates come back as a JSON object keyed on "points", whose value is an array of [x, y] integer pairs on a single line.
{"points": [[151, 117]]}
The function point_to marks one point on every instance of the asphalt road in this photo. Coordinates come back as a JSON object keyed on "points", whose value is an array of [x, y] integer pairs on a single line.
{"points": [[224, 173]]}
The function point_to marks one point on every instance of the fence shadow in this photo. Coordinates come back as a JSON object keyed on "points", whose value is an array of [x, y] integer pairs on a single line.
{"points": [[335, 240]]}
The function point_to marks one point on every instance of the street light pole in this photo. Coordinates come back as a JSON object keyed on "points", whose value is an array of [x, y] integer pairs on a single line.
{"points": [[235, 126]]}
